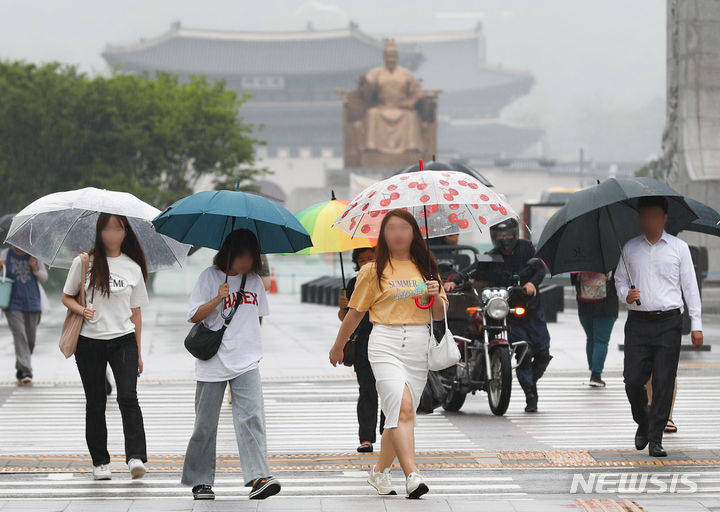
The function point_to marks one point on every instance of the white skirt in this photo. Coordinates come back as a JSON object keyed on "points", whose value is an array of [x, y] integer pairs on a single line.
{"points": [[398, 355]]}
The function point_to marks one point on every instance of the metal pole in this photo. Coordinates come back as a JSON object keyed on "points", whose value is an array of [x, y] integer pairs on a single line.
{"points": [[622, 256], [342, 268]]}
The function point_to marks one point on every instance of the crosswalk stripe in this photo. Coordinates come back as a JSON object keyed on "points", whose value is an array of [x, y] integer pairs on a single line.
{"points": [[574, 416], [318, 484], [318, 416]]}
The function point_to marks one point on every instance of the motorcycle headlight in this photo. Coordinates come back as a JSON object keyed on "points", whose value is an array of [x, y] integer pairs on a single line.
{"points": [[497, 308]]}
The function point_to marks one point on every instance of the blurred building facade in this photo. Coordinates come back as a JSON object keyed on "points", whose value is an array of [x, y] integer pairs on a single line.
{"points": [[294, 76], [691, 139]]}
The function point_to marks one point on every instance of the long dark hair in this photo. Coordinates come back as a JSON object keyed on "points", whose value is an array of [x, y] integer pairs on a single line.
{"points": [[99, 270], [419, 254], [237, 243]]}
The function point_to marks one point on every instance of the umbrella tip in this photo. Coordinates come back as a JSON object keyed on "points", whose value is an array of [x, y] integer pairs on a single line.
{"points": [[332, 195], [420, 164]]}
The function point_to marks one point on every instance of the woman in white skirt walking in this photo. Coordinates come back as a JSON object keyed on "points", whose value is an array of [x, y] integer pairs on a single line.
{"points": [[398, 345]]}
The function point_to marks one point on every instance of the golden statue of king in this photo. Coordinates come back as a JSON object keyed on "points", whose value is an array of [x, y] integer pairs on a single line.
{"points": [[389, 121]]}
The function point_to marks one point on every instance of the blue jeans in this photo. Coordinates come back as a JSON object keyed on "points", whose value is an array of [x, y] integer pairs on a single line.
{"points": [[248, 413], [597, 331]]}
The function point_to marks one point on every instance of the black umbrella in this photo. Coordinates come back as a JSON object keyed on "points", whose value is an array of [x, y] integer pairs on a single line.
{"points": [[6, 220], [587, 234], [707, 221], [442, 166]]}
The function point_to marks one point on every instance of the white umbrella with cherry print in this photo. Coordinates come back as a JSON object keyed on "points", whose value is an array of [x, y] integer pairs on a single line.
{"points": [[443, 203]]}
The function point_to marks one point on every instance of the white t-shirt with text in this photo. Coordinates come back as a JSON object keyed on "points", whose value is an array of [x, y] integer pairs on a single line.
{"points": [[112, 314], [241, 348]]}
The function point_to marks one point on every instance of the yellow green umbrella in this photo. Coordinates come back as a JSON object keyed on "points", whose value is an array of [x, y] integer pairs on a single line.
{"points": [[318, 221]]}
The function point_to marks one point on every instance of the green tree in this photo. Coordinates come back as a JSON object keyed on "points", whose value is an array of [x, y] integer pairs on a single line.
{"points": [[653, 169], [153, 137]]}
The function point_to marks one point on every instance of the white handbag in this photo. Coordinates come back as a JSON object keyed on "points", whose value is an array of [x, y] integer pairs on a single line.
{"points": [[445, 353]]}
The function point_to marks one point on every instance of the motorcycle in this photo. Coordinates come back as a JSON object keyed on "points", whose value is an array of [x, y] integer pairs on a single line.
{"points": [[486, 354]]}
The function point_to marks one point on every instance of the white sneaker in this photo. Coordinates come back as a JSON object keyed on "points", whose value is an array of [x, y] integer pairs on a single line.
{"points": [[415, 486], [381, 481], [137, 468], [102, 472]]}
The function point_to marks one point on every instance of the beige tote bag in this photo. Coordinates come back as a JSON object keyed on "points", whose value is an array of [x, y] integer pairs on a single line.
{"points": [[73, 321]]}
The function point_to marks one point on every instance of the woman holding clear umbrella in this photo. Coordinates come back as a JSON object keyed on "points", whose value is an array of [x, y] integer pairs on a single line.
{"points": [[124, 248], [111, 334]]}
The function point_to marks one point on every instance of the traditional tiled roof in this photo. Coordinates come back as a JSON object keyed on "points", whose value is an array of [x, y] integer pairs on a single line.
{"points": [[455, 61], [222, 53]]}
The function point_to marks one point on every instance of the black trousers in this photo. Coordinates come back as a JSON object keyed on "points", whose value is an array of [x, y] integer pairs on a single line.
{"points": [[92, 357], [652, 347], [367, 404]]}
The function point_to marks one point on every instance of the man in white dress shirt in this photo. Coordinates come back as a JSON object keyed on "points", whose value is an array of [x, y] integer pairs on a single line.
{"points": [[661, 271]]}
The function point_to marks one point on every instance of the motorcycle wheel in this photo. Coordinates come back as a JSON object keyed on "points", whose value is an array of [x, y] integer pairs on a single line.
{"points": [[454, 399], [500, 386]]}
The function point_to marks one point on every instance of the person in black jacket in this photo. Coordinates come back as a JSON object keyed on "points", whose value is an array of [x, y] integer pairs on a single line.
{"points": [[519, 259], [367, 404], [598, 310]]}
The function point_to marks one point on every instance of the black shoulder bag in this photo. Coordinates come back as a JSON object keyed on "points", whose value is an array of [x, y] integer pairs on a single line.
{"points": [[203, 343]]}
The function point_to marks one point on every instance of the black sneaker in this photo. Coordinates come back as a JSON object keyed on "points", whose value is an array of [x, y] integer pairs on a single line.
{"points": [[203, 492], [596, 381], [264, 488]]}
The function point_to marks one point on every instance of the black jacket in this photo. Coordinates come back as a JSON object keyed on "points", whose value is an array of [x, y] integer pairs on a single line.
{"points": [[514, 263], [365, 326]]}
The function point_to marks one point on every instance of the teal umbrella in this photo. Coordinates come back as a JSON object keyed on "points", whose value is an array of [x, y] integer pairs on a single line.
{"points": [[207, 218]]}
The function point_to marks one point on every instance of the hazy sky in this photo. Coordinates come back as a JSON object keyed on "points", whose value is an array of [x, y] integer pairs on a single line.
{"points": [[597, 63]]}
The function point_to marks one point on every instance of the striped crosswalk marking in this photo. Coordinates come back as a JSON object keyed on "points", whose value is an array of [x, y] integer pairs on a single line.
{"points": [[349, 483], [302, 417], [574, 416]]}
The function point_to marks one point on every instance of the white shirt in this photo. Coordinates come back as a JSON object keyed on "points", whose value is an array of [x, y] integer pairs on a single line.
{"points": [[241, 348], [664, 273], [112, 314]]}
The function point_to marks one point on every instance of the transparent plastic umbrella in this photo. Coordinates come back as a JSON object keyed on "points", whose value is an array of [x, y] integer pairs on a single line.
{"points": [[57, 227]]}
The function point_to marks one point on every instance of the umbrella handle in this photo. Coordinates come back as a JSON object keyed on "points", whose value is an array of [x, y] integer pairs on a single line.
{"points": [[637, 302], [425, 306]]}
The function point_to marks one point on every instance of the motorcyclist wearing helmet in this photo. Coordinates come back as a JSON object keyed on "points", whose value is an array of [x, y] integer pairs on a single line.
{"points": [[518, 256]]}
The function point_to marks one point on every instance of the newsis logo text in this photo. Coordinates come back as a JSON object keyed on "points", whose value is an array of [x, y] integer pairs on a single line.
{"points": [[634, 483]]}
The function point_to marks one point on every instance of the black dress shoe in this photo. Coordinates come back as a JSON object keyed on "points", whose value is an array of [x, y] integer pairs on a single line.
{"points": [[641, 438], [656, 450]]}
